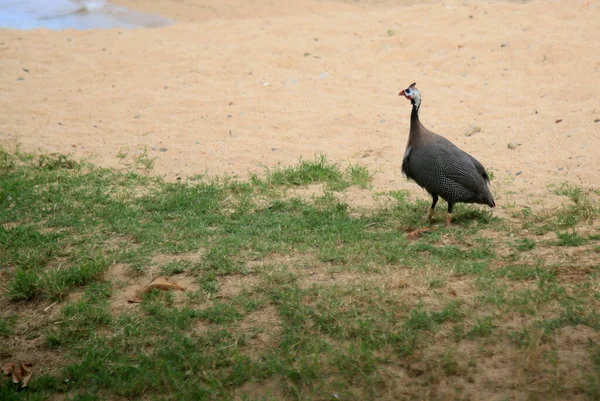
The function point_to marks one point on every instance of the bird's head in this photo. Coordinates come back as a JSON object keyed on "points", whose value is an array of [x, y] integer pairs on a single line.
{"points": [[412, 94]]}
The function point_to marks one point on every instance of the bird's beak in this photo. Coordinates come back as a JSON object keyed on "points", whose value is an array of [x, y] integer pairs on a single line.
{"points": [[401, 93]]}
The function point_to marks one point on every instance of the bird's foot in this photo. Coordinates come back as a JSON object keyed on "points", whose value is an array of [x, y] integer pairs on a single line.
{"points": [[430, 216], [449, 220]]}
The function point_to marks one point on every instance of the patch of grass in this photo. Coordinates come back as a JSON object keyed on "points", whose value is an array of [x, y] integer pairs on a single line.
{"points": [[55, 284], [449, 362], [570, 239], [524, 244], [483, 327], [142, 160], [122, 154], [525, 272], [359, 175], [582, 207], [54, 161], [339, 297], [7, 325], [308, 172], [572, 191], [175, 267], [7, 160]]}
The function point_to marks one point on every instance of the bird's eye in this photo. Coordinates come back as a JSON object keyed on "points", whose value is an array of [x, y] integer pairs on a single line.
{"points": [[407, 91]]}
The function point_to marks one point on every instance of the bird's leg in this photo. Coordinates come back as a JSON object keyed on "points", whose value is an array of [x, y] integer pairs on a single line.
{"points": [[432, 209], [449, 215]]}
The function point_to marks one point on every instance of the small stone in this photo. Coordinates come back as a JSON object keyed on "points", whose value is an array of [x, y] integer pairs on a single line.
{"points": [[597, 120], [25, 69], [59, 123], [504, 44], [513, 145], [228, 115], [137, 116], [165, 87], [472, 130], [274, 149], [163, 149], [519, 172], [95, 126], [20, 79]]}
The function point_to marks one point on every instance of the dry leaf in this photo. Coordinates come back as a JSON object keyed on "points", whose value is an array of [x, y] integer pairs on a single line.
{"points": [[7, 368], [414, 234], [17, 374], [559, 120], [26, 367], [20, 373], [402, 284], [160, 283]]}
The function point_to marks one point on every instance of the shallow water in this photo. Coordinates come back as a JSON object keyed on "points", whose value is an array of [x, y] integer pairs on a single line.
{"points": [[75, 14]]}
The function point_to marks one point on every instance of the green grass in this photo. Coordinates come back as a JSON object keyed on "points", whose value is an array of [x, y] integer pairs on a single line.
{"points": [[320, 170], [286, 298]]}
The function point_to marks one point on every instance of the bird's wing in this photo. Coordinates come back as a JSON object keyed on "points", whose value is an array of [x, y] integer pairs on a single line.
{"points": [[463, 168], [480, 169], [405, 168]]}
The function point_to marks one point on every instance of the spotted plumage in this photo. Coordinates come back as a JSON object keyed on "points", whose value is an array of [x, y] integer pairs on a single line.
{"points": [[440, 167]]}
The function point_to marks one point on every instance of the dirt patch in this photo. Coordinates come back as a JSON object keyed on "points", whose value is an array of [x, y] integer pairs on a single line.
{"points": [[127, 287], [320, 277], [263, 326], [28, 343], [292, 260], [119, 243], [497, 369], [577, 336], [266, 389], [231, 286], [201, 327], [195, 256], [307, 192]]}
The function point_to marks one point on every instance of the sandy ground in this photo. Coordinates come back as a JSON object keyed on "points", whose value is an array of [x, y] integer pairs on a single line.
{"points": [[232, 87]]}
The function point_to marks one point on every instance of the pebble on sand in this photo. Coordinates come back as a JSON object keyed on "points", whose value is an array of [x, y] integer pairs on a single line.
{"points": [[513, 145], [472, 130]]}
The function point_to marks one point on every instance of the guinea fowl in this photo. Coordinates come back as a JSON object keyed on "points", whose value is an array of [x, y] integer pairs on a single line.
{"points": [[440, 167]]}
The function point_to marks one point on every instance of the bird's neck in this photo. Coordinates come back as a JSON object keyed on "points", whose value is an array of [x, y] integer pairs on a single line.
{"points": [[415, 124], [414, 114]]}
